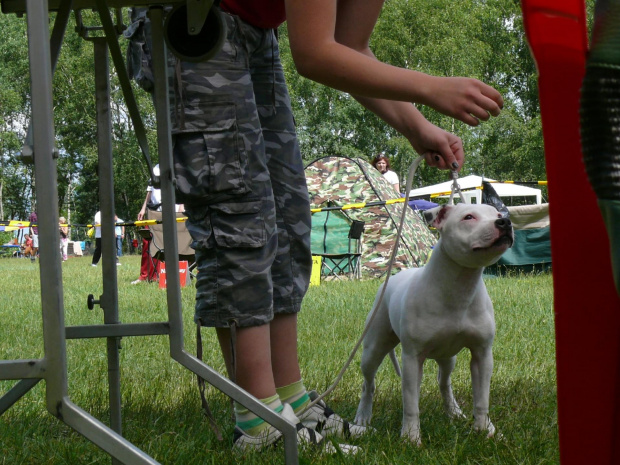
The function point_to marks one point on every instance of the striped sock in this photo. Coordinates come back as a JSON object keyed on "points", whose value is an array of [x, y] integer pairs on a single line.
{"points": [[295, 395], [252, 424]]}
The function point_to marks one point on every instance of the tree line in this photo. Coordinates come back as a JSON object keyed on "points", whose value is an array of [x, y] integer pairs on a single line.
{"points": [[476, 38]]}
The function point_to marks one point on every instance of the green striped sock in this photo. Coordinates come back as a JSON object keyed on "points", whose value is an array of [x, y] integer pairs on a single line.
{"points": [[252, 424], [295, 395]]}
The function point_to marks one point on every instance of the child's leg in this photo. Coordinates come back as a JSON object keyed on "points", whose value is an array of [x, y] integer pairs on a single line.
{"points": [[253, 371], [283, 339]]}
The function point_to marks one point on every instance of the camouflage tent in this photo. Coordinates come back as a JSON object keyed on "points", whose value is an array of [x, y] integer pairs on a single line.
{"points": [[337, 181]]}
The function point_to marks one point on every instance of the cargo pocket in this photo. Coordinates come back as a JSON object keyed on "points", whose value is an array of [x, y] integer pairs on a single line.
{"points": [[209, 155], [238, 224], [139, 63], [199, 227]]}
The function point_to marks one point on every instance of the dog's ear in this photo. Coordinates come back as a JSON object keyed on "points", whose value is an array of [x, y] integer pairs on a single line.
{"points": [[436, 217]]}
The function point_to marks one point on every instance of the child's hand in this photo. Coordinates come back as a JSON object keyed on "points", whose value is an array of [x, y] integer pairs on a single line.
{"points": [[439, 148], [465, 99]]}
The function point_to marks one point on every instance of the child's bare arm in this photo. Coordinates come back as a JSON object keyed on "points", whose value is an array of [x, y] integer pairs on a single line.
{"points": [[329, 42]]}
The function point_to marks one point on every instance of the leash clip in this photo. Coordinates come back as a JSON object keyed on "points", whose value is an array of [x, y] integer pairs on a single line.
{"points": [[455, 188]]}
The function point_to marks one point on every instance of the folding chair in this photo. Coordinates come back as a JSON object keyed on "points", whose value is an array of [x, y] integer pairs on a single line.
{"points": [[349, 263], [155, 234]]}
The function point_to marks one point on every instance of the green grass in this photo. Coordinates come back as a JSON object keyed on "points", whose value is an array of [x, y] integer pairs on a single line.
{"points": [[161, 407]]}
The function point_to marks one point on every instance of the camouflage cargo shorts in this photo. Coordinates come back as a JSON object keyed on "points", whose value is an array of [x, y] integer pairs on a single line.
{"points": [[240, 176]]}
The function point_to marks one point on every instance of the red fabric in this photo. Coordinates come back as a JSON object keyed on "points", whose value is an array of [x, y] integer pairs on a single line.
{"points": [[266, 14], [148, 265], [587, 316]]}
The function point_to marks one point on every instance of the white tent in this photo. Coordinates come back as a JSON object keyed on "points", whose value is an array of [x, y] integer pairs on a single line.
{"points": [[471, 186]]}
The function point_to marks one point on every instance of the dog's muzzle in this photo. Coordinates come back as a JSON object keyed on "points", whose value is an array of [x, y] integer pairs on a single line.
{"points": [[505, 227]]}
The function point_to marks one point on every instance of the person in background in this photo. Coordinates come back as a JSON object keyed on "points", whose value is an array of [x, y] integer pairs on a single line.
{"points": [[382, 163], [148, 264], [97, 253], [152, 201], [119, 232], [34, 234], [64, 237], [27, 246]]}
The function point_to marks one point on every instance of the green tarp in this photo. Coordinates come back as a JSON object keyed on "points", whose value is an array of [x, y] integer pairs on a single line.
{"points": [[330, 235], [330, 230], [532, 247]]}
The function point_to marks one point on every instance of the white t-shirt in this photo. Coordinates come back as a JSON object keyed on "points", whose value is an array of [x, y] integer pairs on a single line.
{"points": [[391, 176], [98, 228], [155, 193], [118, 230]]}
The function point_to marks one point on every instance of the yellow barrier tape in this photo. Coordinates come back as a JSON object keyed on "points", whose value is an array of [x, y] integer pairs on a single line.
{"points": [[350, 206], [393, 201], [439, 194], [353, 205], [26, 224]]}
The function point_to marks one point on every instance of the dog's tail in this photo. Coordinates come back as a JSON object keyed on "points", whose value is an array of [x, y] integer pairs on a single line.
{"points": [[394, 360]]}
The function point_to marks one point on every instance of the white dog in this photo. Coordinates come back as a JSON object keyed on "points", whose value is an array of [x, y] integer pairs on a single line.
{"points": [[436, 311]]}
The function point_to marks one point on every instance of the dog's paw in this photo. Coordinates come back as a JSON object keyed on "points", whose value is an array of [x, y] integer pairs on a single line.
{"points": [[412, 436], [455, 413], [492, 433], [357, 429], [362, 417], [485, 426]]}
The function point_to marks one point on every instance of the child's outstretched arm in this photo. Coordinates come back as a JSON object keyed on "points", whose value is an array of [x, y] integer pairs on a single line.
{"points": [[329, 43]]}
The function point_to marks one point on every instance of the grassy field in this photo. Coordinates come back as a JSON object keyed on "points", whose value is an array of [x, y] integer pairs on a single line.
{"points": [[161, 407]]}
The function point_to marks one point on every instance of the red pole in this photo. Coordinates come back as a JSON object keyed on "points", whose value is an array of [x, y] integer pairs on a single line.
{"points": [[587, 307]]}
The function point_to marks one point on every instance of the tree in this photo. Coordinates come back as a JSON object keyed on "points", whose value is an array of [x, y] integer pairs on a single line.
{"points": [[15, 179]]}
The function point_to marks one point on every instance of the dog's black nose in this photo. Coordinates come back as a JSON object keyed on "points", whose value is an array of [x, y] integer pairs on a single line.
{"points": [[503, 223]]}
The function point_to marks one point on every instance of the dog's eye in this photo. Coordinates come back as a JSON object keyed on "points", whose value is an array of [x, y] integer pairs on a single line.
{"points": [[469, 217]]}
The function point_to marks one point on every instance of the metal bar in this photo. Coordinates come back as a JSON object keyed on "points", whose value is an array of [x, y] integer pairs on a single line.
{"points": [[20, 369], [47, 205], [17, 392], [109, 298], [166, 176], [119, 330], [58, 33], [104, 438], [233, 391], [125, 84]]}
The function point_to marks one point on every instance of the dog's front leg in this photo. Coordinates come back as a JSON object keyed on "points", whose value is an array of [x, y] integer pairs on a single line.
{"points": [[450, 405], [481, 370], [412, 368]]}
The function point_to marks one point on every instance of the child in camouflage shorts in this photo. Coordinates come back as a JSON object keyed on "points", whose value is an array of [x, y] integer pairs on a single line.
{"points": [[240, 175]]}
